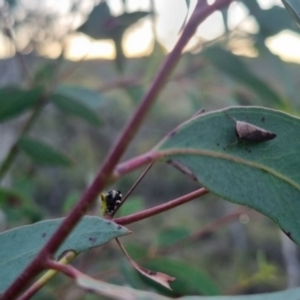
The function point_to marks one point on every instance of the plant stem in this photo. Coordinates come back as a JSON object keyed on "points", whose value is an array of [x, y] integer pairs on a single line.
{"points": [[160, 208], [36, 286], [14, 150], [200, 13], [133, 188], [24, 67], [66, 269]]}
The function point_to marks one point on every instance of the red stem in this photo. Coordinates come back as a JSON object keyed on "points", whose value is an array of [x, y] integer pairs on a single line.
{"points": [[50, 264], [160, 208], [66, 269], [200, 13]]}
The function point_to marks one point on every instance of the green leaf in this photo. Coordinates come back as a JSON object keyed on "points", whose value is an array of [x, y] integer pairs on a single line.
{"points": [[135, 93], [136, 250], [188, 3], [98, 23], [102, 25], [132, 205], [291, 294], [264, 176], [70, 201], [114, 291], [14, 101], [127, 19], [12, 3], [17, 206], [189, 279], [293, 7], [122, 23], [71, 106], [170, 236], [235, 67], [123, 293], [130, 275], [265, 18], [86, 96], [154, 61], [46, 72], [20, 245], [42, 153]]}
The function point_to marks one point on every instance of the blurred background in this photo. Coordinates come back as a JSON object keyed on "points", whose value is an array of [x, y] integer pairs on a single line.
{"points": [[72, 73]]}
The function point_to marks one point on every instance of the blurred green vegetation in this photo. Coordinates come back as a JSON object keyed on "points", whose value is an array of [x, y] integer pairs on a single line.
{"points": [[80, 115]]}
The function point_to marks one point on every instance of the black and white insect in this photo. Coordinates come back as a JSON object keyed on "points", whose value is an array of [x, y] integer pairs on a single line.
{"points": [[110, 201]]}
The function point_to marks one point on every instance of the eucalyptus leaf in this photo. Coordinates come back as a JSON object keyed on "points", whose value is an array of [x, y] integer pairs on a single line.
{"points": [[100, 24], [124, 293], [262, 175], [293, 7], [42, 153], [97, 24], [20, 245], [87, 96], [171, 235], [233, 66], [265, 18], [15, 101], [189, 279], [70, 105], [291, 294]]}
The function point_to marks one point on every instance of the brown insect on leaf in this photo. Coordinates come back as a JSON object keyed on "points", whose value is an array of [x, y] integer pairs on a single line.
{"points": [[247, 132], [251, 133], [158, 277]]}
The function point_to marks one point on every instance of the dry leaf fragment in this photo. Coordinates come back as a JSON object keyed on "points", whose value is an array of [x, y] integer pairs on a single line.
{"points": [[158, 277]]}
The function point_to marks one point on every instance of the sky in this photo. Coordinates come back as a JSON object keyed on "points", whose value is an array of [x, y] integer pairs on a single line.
{"points": [[139, 39]]}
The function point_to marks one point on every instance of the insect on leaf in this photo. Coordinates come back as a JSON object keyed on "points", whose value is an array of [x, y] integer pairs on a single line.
{"points": [[262, 175]]}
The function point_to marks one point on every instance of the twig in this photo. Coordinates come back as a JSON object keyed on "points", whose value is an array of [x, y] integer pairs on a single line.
{"points": [[160, 208], [66, 269], [133, 188], [19, 56], [66, 259], [103, 176]]}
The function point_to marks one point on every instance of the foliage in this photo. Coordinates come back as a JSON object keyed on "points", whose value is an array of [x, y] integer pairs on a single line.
{"points": [[257, 173]]}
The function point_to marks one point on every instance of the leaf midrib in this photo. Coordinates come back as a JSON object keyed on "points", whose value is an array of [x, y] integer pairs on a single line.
{"points": [[229, 158]]}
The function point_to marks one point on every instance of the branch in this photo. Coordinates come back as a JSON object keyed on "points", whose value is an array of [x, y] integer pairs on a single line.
{"points": [[66, 269], [160, 208], [36, 286], [200, 13], [24, 67]]}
